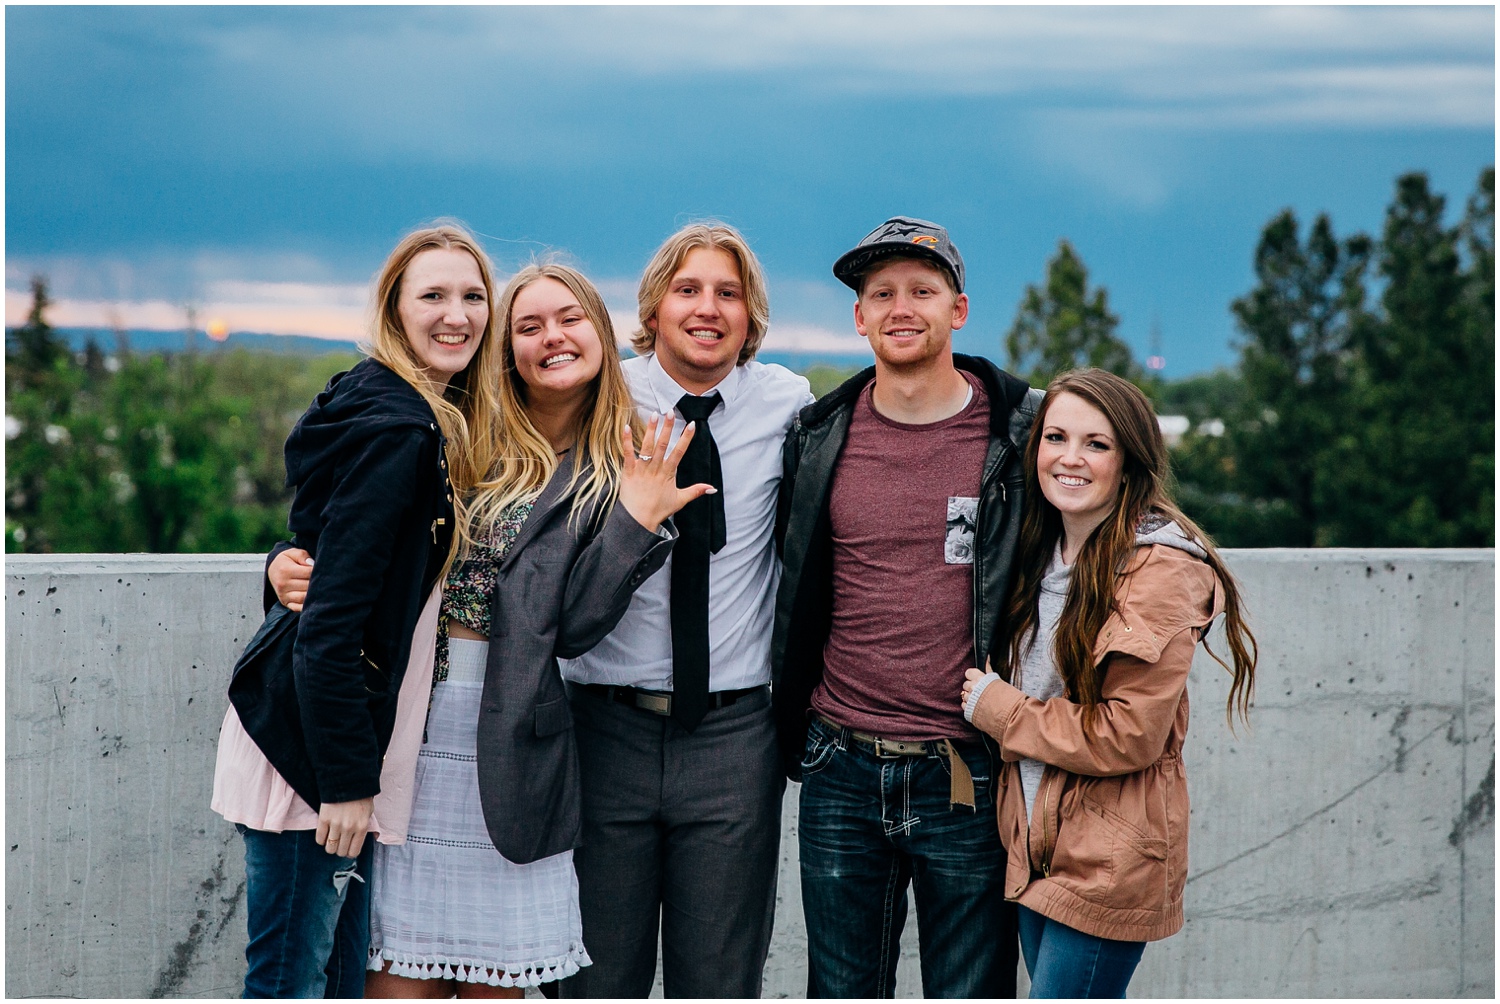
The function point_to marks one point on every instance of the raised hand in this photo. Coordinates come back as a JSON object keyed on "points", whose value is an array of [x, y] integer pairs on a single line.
{"points": [[290, 572], [648, 489]]}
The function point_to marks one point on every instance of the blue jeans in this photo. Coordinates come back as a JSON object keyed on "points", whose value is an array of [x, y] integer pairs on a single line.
{"points": [[1064, 962], [868, 826], [309, 916]]}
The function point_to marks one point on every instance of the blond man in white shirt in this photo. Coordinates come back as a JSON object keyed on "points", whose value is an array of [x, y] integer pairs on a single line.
{"points": [[681, 782]]}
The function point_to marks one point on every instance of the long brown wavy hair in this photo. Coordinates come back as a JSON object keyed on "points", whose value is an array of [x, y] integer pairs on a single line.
{"points": [[468, 408], [1144, 491], [523, 460]]}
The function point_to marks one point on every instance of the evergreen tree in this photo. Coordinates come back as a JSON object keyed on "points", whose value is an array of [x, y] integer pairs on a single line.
{"points": [[1298, 323], [1419, 470], [1063, 326], [38, 349], [1479, 337], [40, 388]]}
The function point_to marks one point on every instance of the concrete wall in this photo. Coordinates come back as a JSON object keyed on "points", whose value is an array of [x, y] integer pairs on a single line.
{"points": [[1344, 847]]}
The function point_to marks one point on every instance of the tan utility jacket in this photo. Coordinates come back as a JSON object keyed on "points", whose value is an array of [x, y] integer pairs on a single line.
{"points": [[1106, 849]]}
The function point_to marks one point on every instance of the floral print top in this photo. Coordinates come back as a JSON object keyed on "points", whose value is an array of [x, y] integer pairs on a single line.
{"points": [[471, 583]]}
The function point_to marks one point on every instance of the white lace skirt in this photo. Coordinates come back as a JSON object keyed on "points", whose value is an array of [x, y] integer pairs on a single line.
{"points": [[446, 904]]}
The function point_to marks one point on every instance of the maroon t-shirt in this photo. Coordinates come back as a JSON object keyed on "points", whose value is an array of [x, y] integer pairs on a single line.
{"points": [[902, 505]]}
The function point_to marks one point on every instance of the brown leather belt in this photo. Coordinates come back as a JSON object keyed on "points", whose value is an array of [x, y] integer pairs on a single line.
{"points": [[961, 781], [658, 702]]}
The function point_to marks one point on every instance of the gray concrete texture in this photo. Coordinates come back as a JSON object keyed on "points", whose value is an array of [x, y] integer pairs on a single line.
{"points": [[1343, 846]]}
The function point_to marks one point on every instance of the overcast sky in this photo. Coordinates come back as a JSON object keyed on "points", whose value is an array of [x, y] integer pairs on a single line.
{"points": [[258, 162]]}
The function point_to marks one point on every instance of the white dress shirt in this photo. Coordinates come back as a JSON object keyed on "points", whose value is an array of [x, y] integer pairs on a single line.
{"points": [[759, 404]]}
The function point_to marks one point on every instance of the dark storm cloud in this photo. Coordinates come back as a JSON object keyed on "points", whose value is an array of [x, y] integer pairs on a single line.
{"points": [[266, 138]]}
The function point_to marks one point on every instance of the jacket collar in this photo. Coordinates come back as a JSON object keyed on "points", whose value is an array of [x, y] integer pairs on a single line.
{"points": [[999, 385]]}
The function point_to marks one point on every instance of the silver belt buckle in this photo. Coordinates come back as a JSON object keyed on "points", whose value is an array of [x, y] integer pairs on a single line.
{"points": [[658, 704]]}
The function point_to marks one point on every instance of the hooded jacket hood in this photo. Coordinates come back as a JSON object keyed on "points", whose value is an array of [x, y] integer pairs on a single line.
{"points": [[358, 404], [1154, 528]]}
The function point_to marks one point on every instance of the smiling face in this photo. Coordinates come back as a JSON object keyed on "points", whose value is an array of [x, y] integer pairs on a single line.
{"points": [[443, 310], [556, 348], [1079, 463], [703, 321], [908, 311]]}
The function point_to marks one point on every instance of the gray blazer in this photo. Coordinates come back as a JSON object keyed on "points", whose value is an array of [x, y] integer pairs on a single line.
{"points": [[564, 584]]}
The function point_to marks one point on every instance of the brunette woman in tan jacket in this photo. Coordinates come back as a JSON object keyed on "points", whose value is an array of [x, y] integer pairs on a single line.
{"points": [[1114, 589]]}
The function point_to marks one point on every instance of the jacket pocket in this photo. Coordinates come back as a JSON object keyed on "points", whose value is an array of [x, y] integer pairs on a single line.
{"points": [[1138, 863], [1083, 857], [553, 717]]}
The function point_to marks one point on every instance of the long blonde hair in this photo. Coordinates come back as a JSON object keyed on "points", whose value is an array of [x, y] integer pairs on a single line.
{"points": [[1102, 559], [467, 408], [669, 258], [523, 460]]}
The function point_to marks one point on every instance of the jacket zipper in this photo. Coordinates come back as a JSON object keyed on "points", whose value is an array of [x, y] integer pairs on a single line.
{"points": [[1046, 827], [375, 666]]}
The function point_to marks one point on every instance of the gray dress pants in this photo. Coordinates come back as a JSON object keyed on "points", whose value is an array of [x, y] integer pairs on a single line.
{"points": [[678, 828]]}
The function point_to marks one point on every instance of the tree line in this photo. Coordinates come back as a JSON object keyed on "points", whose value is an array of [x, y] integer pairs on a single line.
{"points": [[159, 452], [1360, 412]]}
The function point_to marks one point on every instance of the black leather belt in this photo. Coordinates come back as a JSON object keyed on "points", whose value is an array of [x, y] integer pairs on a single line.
{"points": [[658, 702]]}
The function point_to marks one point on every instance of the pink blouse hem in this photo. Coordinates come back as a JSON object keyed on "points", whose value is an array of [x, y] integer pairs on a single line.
{"points": [[248, 790]]}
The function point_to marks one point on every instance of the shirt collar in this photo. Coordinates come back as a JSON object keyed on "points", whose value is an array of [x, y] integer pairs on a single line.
{"points": [[667, 391]]}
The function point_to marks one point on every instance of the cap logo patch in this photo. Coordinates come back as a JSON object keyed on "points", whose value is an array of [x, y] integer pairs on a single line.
{"points": [[925, 239]]}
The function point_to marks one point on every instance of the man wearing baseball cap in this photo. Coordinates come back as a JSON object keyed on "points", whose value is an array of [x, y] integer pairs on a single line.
{"points": [[900, 506]]}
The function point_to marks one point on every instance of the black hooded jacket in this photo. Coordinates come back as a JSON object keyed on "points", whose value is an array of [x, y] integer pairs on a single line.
{"points": [[804, 601], [374, 507]]}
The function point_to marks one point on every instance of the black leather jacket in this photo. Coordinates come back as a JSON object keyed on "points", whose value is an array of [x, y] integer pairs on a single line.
{"points": [[804, 601]]}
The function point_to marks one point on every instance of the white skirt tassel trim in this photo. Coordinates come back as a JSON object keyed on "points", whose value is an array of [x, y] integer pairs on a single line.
{"points": [[438, 967]]}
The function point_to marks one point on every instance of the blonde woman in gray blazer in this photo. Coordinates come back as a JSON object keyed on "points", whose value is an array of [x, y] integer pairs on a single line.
{"points": [[482, 899]]}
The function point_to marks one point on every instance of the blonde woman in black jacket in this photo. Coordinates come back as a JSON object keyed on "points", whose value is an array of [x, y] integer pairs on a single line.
{"points": [[375, 462], [482, 899]]}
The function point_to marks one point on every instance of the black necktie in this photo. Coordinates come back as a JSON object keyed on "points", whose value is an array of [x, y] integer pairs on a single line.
{"points": [[700, 532]]}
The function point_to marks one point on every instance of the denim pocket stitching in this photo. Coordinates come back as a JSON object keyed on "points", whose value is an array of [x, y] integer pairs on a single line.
{"points": [[819, 750]]}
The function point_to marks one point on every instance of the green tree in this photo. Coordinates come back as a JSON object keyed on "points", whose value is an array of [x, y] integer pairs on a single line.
{"points": [[1203, 397], [1062, 325], [825, 378], [38, 349], [1419, 470], [41, 386], [266, 394], [1298, 326]]}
